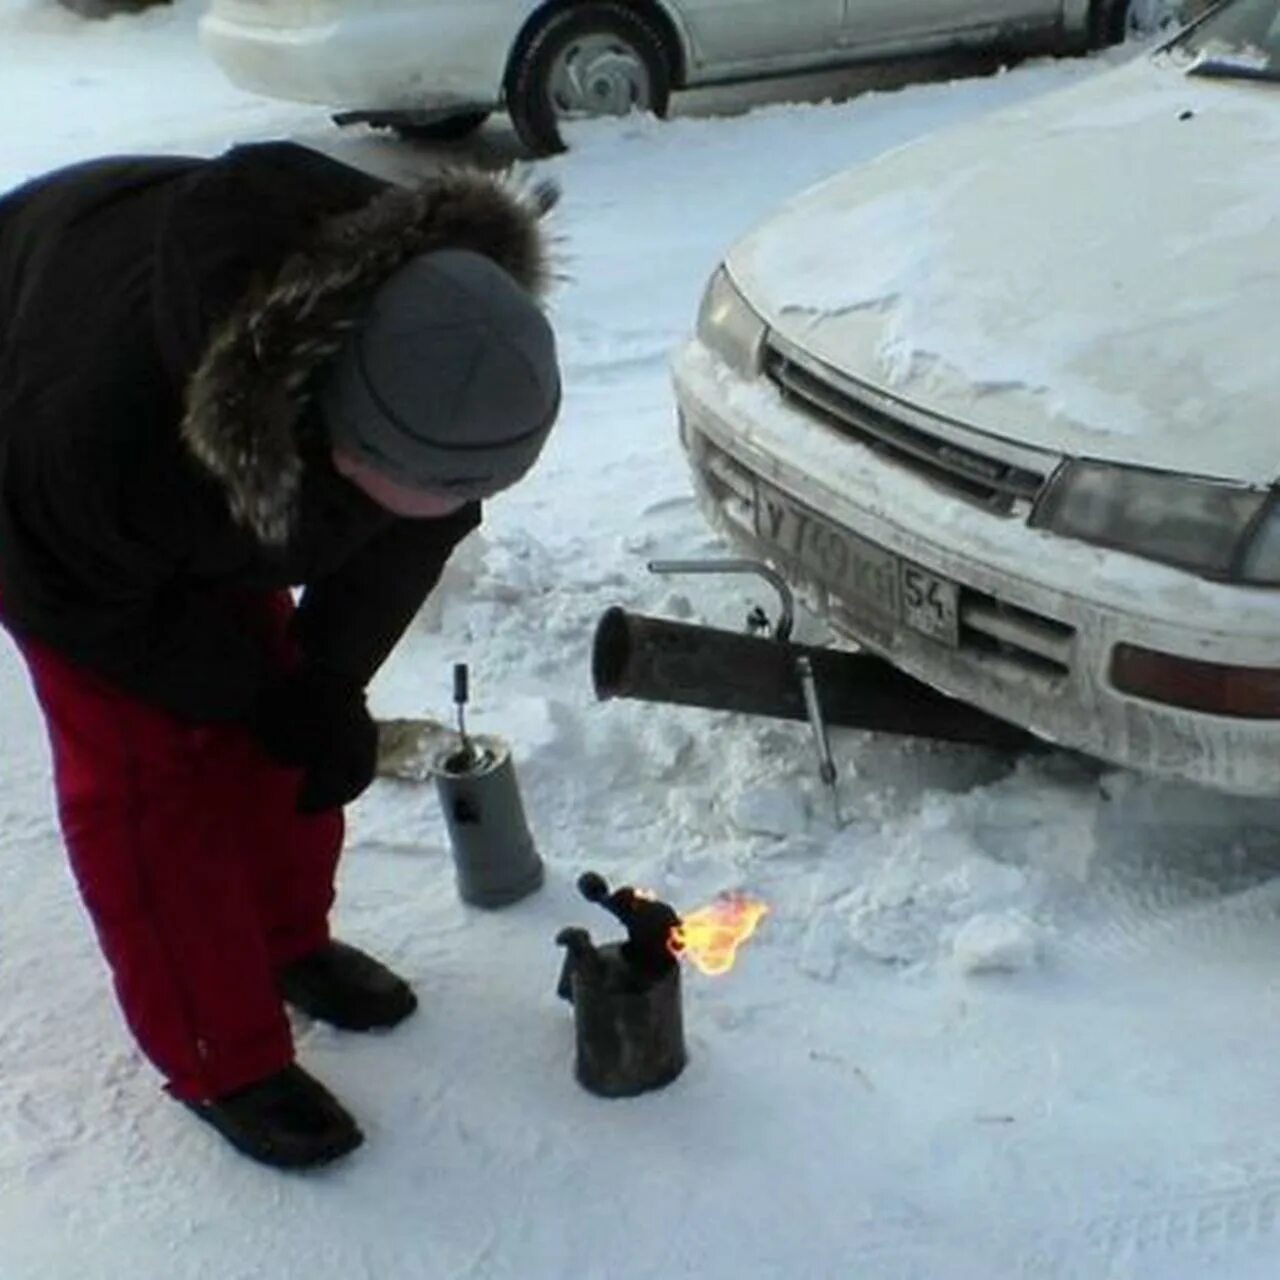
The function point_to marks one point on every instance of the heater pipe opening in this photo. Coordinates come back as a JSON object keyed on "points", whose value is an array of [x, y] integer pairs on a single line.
{"points": [[611, 653]]}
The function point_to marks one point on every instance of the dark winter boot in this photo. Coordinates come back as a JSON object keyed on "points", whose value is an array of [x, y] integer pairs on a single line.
{"points": [[346, 988], [289, 1120]]}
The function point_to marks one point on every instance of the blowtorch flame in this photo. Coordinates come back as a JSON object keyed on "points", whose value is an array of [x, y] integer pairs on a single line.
{"points": [[710, 937]]}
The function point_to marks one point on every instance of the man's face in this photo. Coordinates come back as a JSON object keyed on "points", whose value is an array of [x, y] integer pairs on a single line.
{"points": [[400, 500]]}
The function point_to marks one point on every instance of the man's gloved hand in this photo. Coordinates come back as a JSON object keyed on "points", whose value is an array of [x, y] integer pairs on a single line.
{"points": [[317, 721]]}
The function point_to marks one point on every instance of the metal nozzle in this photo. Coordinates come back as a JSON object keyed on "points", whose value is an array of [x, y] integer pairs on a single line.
{"points": [[461, 695]]}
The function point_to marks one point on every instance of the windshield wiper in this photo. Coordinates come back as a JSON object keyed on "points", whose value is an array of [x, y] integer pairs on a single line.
{"points": [[1228, 69]]}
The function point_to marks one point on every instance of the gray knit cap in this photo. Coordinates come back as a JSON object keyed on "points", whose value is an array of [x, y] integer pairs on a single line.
{"points": [[450, 383]]}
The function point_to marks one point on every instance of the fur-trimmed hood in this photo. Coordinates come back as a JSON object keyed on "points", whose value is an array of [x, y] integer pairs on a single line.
{"points": [[245, 411]]}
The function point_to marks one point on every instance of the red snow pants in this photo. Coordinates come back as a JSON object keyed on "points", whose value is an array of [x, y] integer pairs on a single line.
{"points": [[200, 877]]}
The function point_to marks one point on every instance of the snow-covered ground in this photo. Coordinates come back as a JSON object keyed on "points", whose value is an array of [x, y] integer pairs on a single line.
{"points": [[1013, 1020]]}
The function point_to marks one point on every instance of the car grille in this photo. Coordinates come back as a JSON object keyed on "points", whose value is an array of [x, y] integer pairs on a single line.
{"points": [[1013, 644], [1004, 634], [988, 481]]}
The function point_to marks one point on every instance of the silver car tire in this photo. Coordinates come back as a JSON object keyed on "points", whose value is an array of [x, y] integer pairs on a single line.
{"points": [[1114, 21], [595, 58]]}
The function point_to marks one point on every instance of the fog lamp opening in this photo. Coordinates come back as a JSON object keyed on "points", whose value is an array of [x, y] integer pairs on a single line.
{"points": [[1246, 693]]}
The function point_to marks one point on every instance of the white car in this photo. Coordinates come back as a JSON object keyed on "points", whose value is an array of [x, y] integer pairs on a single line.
{"points": [[1005, 405], [439, 67]]}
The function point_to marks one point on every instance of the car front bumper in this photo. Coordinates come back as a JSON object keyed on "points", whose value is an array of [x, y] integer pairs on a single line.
{"points": [[431, 56], [1038, 615]]}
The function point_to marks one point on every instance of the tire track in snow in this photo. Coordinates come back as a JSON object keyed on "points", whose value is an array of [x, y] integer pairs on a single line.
{"points": [[1176, 868], [1228, 913], [1186, 1225], [592, 355]]}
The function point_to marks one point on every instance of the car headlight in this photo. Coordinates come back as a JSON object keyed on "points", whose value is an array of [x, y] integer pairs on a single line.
{"points": [[729, 327], [1213, 528]]}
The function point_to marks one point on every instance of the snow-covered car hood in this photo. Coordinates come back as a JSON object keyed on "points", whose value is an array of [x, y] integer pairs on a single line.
{"points": [[1097, 273]]}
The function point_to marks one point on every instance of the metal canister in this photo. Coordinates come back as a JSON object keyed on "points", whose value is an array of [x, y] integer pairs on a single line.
{"points": [[629, 1024], [494, 855]]}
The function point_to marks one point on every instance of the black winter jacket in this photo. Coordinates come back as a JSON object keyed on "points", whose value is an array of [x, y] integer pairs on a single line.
{"points": [[162, 325]]}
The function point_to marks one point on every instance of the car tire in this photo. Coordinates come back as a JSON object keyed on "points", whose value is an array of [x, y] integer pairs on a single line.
{"points": [[631, 69], [1105, 16], [109, 8], [450, 129], [1113, 21]]}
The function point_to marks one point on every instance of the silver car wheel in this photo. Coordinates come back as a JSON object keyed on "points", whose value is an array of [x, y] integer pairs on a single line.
{"points": [[599, 75]]}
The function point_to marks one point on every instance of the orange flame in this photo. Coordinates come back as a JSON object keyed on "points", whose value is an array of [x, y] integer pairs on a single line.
{"points": [[711, 936]]}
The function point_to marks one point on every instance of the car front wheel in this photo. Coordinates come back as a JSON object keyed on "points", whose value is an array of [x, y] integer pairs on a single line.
{"points": [[109, 8], [1113, 21], [587, 60]]}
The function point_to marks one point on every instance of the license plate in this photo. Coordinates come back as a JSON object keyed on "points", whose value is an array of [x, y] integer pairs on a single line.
{"points": [[859, 572]]}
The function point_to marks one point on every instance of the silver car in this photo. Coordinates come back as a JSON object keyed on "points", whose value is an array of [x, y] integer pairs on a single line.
{"points": [[439, 67]]}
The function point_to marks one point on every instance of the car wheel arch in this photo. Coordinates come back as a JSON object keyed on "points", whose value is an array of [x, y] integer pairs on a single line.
{"points": [[659, 13]]}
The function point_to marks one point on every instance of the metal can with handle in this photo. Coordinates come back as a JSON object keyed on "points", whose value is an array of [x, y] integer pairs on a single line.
{"points": [[495, 858]]}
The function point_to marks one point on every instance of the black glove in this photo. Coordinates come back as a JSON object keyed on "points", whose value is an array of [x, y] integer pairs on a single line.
{"points": [[317, 721]]}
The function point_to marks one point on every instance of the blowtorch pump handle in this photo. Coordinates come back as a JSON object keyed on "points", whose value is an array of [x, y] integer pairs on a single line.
{"points": [[461, 683]]}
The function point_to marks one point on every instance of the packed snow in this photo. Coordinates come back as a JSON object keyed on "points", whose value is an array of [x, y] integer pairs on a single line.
{"points": [[1006, 1019]]}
